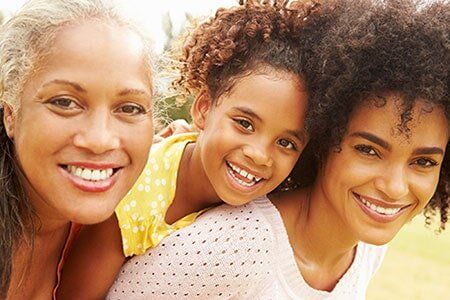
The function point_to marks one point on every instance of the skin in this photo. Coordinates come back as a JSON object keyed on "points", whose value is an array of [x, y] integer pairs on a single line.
{"points": [[243, 127], [391, 170], [88, 106]]}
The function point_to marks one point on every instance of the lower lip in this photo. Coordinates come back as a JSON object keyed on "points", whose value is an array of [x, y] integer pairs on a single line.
{"points": [[90, 186], [377, 216], [236, 185]]}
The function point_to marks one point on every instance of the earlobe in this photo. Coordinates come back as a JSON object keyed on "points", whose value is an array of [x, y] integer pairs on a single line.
{"points": [[8, 121], [200, 109]]}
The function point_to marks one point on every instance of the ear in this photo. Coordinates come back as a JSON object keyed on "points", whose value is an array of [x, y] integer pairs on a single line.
{"points": [[8, 121], [200, 109]]}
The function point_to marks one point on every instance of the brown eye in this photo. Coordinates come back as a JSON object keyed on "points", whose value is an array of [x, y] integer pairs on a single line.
{"points": [[425, 162], [130, 109], [366, 150], [245, 124], [64, 103], [286, 144]]}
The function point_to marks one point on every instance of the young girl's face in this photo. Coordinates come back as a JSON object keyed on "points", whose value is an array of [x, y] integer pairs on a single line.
{"points": [[253, 135], [382, 177], [84, 129]]}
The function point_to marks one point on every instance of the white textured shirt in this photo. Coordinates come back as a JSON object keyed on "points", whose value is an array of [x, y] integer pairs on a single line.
{"points": [[235, 252]]}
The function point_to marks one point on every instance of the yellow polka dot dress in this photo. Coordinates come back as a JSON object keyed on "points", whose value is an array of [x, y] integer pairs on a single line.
{"points": [[141, 214]]}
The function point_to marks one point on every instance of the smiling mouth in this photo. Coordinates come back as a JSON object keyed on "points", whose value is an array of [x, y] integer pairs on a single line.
{"points": [[380, 210], [90, 174], [243, 177]]}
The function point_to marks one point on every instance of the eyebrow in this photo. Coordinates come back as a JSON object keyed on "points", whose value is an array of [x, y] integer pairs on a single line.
{"points": [[74, 85], [137, 92], [248, 111], [301, 135], [373, 138], [387, 146], [428, 150]]}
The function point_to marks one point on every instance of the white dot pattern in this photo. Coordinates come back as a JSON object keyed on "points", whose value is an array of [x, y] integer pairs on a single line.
{"points": [[234, 252], [141, 214]]}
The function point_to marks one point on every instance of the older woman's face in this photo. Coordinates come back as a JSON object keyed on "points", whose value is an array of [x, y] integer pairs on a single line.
{"points": [[84, 129]]}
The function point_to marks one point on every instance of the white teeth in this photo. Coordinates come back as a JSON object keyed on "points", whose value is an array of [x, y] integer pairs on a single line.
{"points": [[90, 174], [86, 174], [242, 182], [245, 174], [95, 175], [379, 209]]}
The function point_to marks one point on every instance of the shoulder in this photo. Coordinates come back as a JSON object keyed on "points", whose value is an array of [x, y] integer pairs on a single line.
{"points": [[371, 257], [226, 252]]}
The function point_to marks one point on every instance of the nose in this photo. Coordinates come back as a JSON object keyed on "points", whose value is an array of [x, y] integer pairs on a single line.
{"points": [[393, 182], [97, 134], [259, 154]]}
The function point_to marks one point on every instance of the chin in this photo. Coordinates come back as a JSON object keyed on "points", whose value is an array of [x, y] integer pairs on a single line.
{"points": [[237, 202], [378, 239], [91, 215]]}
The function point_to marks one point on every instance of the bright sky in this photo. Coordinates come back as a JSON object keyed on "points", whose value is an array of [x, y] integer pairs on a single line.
{"points": [[151, 12]]}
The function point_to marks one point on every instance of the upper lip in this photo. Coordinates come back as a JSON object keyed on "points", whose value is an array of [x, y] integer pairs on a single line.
{"points": [[381, 203], [94, 165]]}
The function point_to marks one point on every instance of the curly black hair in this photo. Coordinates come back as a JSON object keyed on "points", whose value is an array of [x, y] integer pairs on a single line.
{"points": [[371, 48], [239, 40]]}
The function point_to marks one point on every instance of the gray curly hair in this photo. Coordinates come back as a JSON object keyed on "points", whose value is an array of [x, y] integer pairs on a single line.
{"points": [[25, 42], [26, 39]]}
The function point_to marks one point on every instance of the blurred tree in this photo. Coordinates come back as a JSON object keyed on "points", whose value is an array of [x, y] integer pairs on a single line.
{"points": [[171, 106]]}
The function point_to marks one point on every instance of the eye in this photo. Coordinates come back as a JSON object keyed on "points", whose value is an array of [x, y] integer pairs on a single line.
{"points": [[425, 162], [130, 109], [286, 144], [245, 124], [64, 103], [366, 150]]}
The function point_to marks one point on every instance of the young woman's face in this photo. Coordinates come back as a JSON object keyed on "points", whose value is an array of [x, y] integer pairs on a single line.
{"points": [[253, 136], [382, 177], [84, 129]]}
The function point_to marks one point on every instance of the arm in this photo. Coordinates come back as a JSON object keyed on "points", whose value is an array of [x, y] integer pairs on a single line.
{"points": [[93, 262], [175, 127]]}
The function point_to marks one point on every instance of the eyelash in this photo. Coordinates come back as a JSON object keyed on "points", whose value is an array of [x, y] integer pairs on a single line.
{"points": [[139, 108], [429, 163], [57, 102], [241, 122], [294, 147], [245, 124], [366, 149]]}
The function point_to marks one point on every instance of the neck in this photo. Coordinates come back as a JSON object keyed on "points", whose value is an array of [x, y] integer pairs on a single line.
{"points": [[194, 190], [47, 220], [321, 237]]}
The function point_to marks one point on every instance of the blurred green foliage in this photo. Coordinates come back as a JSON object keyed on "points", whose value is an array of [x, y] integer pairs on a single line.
{"points": [[171, 107]]}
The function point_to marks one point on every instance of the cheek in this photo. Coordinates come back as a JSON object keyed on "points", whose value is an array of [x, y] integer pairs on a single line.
{"points": [[217, 136], [423, 188], [347, 171], [285, 164], [42, 134], [138, 139]]}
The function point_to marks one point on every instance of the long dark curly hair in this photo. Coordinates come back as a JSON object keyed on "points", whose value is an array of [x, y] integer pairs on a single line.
{"points": [[373, 47], [239, 40]]}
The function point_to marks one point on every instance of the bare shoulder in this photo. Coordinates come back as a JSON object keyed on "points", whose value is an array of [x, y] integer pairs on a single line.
{"points": [[287, 203]]}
